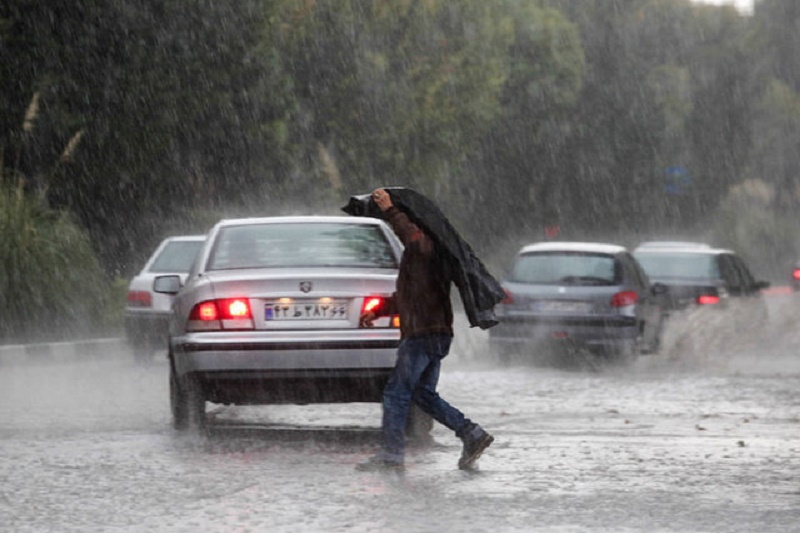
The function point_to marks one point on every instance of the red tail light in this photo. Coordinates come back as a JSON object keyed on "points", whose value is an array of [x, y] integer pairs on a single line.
{"points": [[508, 299], [796, 274], [140, 299], [377, 304], [707, 299], [624, 299], [234, 308], [227, 313], [373, 304]]}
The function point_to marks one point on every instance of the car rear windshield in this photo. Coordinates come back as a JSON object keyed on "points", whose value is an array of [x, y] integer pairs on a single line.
{"points": [[301, 244], [679, 265], [566, 268], [176, 256]]}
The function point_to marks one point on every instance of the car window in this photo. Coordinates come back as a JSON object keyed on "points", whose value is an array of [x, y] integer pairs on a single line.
{"points": [[558, 268], [299, 244], [176, 256], [678, 265]]}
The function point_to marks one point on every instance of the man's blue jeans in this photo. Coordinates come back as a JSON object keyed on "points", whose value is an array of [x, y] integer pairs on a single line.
{"points": [[415, 377]]}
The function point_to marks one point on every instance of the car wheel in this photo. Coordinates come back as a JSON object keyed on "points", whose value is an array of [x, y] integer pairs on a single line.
{"points": [[419, 425], [624, 352], [187, 402], [655, 346]]}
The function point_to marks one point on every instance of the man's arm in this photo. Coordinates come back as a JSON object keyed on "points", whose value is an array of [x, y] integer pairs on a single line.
{"points": [[410, 234]]}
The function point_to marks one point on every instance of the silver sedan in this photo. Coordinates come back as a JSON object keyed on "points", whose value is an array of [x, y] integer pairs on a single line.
{"points": [[270, 314]]}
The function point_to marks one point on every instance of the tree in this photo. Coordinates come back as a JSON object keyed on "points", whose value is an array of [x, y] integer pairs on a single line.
{"points": [[517, 183], [393, 93]]}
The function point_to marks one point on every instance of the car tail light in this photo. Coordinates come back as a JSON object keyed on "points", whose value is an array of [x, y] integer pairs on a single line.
{"points": [[376, 304], [624, 299], [707, 299], [373, 304], [225, 313], [140, 299], [206, 311], [796, 274], [235, 308]]}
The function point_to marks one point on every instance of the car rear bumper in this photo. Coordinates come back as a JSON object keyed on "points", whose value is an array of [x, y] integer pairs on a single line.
{"points": [[587, 331], [288, 367]]}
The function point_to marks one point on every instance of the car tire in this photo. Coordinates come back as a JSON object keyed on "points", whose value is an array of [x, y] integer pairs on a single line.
{"points": [[655, 346], [623, 352], [187, 401]]}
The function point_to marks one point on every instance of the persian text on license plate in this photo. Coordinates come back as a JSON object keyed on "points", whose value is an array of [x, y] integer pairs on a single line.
{"points": [[561, 306], [307, 310]]}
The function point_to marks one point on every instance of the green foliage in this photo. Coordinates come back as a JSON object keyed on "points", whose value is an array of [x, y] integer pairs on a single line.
{"points": [[776, 159], [393, 92], [747, 221], [50, 281], [513, 114]]}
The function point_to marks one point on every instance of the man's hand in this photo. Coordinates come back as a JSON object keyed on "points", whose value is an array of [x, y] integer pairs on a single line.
{"points": [[366, 320], [382, 199]]}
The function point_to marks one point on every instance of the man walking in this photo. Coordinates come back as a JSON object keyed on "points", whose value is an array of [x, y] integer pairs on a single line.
{"points": [[422, 300]]}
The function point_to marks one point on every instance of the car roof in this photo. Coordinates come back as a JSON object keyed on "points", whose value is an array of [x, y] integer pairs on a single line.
{"points": [[562, 246], [672, 244], [185, 238], [699, 250], [298, 219]]}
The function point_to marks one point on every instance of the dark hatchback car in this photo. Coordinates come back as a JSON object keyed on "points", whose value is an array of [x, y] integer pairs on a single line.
{"points": [[699, 274], [716, 301], [574, 295]]}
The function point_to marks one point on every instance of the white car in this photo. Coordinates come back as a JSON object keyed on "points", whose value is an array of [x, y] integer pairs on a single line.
{"points": [[147, 312], [270, 314]]}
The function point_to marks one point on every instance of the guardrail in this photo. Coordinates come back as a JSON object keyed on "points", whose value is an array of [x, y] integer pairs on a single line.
{"points": [[65, 350]]}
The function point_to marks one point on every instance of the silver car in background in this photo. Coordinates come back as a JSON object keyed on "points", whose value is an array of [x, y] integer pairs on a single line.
{"points": [[147, 312], [270, 314], [574, 295]]}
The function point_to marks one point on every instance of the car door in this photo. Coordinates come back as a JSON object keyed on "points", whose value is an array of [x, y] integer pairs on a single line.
{"points": [[755, 308], [736, 307], [734, 284]]}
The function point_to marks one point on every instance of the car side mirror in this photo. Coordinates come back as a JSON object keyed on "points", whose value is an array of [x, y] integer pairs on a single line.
{"points": [[659, 288], [167, 284]]}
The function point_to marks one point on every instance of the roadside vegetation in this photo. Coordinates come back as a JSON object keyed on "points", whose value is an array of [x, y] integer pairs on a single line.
{"points": [[614, 120], [52, 286]]}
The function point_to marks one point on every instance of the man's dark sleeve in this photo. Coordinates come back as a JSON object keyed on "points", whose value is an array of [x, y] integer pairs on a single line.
{"points": [[410, 234], [389, 308]]}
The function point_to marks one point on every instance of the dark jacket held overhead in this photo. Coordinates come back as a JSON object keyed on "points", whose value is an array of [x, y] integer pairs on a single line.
{"points": [[479, 291]]}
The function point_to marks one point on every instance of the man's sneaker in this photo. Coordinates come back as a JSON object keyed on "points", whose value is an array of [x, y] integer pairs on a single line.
{"points": [[475, 441], [376, 463]]}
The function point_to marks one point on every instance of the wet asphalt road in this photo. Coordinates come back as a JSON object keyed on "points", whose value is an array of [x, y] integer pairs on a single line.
{"points": [[674, 442]]}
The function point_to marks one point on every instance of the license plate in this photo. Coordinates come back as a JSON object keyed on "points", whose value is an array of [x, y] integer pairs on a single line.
{"points": [[307, 310], [561, 306]]}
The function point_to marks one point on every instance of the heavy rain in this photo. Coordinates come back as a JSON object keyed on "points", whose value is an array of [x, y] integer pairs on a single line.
{"points": [[131, 128]]}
